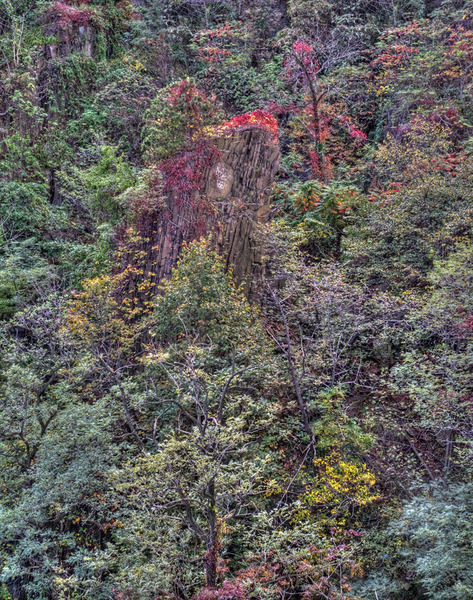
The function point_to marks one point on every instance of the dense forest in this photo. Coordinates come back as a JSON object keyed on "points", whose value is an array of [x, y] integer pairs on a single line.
{"points": [[236, 299]]}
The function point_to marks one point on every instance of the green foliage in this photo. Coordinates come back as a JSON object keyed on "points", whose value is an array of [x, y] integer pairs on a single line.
{"points": [[439, 351], [334, 429], [177, 439], [73, 80], [76, 451], [19, 161], [192, 302], [434, 531], [201, 477], [25, 276], [24, 209], [179, 115], [417, 219], [321, 211], [102, 184], [445, 568]]}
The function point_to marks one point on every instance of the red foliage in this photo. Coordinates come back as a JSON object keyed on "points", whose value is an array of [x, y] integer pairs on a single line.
{"points": [[301, 63], [395, 56], [357, 134], [258, 118], [183, 179], [212, 54], [64, 14], [230, 590], [185, 90], [301, 48], [183, 174], [224, 32], [215, 45], [316, 166]]}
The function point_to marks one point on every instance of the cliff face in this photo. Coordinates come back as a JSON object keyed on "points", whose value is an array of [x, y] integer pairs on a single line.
{"points": [[232, 200], [73, 29], [222, 193], [240, 184]]}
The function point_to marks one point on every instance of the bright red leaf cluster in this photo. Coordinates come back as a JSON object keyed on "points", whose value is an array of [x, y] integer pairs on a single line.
{"points": [[258, 118], [187, 91], [183, 174], [301, 48]]}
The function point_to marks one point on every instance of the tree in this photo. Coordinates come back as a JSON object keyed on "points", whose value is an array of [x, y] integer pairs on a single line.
{"points": [[304, 67], [419, 214], [324, 325], [55, 449], [321, 211], [435, 530], [107, 340], [177, 120], [434, 368], [205, 475], [102, 186], [14, 19]]}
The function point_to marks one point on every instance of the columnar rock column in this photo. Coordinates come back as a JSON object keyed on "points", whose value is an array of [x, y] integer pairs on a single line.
{"points": [[234, 199]]}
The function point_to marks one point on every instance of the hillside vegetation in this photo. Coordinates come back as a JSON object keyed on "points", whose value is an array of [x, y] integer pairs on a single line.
{"points": [[236, 299]]}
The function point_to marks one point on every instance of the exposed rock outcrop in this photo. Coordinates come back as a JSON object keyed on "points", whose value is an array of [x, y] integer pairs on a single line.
{"points": [[233, 200], [73, 28], [236, 188]]}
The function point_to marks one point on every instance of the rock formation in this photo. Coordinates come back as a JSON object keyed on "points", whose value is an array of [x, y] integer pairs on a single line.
{"points": [[236, 190], [232, 201]]}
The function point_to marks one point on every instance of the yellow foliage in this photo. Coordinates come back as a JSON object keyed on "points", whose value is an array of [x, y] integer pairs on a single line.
{"points": [[339, 485]]}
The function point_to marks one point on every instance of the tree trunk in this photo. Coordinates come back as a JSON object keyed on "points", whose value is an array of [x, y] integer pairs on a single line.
{"points": [[211, 556]]}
